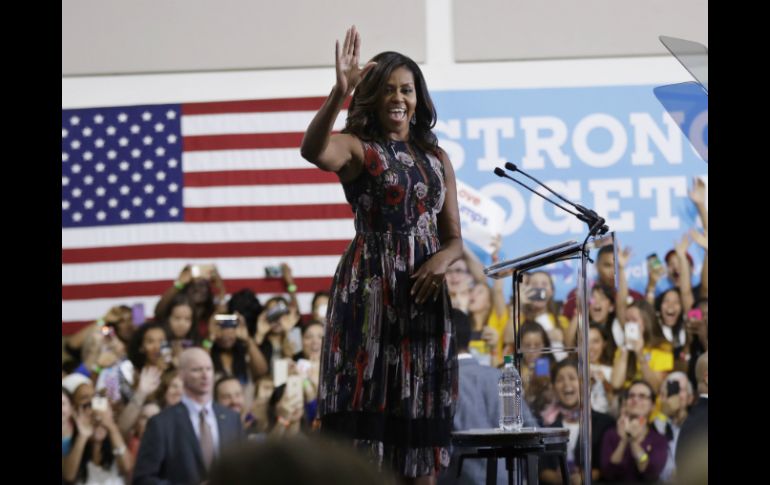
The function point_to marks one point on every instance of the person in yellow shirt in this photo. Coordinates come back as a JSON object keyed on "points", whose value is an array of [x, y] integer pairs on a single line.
{"points": [[643, 351], [647, 357]]}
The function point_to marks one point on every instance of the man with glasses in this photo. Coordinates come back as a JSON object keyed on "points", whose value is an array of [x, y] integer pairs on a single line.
{"points": [[634, 451]]}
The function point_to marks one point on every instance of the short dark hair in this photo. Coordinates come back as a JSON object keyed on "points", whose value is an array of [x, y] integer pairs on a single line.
{"points": [[223, 379], [604, 250], [568, 362]]}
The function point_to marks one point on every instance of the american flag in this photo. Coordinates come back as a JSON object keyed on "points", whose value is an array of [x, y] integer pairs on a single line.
{"points": [[149, 189]]}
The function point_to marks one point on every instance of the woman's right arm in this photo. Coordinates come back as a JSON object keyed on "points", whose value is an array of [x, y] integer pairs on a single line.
{"points": [[333, 153]]}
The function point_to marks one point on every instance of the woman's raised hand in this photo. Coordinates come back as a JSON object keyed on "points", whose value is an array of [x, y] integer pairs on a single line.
{"points": [[349, 74]]}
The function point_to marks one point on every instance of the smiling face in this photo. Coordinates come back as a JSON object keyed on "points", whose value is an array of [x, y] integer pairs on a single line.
{"points": [[230, 394], [397, 104], [567, 387], [670, 308], [600, 307]]}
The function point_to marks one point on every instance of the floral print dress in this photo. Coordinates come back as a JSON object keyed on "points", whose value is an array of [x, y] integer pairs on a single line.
{"points": [[389, 365]]}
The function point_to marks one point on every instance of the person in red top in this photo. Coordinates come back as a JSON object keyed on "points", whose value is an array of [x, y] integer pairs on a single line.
{"points": [[605, 268]]}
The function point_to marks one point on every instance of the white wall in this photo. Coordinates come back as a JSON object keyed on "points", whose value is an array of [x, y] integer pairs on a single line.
{"points": [[441, 72], [548, 29], [136, 36]]}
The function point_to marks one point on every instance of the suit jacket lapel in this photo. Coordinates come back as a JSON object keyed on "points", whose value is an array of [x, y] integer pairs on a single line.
{"points": [[224, 430], [186, 427]]}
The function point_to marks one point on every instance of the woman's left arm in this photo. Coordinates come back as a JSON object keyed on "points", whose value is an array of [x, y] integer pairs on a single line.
{"points": [[430, 277]]}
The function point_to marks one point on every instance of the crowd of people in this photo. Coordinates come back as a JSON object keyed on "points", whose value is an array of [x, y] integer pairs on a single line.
{"points": [[265, 359], [116, 376]]}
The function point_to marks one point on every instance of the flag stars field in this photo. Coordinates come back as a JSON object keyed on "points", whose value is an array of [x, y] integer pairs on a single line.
{"points": [[218, 184]]}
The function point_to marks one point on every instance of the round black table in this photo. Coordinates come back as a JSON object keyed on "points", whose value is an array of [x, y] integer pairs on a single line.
{"points": [[524, 445]]}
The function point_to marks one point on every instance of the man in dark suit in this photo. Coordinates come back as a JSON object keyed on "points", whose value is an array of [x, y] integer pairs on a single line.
{"points": [[478, 406], [693, 444], [180, 443]]}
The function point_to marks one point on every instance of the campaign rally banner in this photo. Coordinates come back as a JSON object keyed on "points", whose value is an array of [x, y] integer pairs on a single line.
{"points": [[613, 149]]}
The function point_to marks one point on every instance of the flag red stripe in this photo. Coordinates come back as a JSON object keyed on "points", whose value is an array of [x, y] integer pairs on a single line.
{"points": [[144, 288], [259, 177], [257, 105], [204, 250], [242, 141], [268, 213]]}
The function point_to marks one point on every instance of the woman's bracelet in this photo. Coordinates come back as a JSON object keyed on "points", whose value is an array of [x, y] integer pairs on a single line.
{"points": [[644, 458]]}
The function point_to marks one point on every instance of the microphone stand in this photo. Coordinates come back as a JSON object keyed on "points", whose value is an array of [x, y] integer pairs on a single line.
{"points": [[596, 226]]}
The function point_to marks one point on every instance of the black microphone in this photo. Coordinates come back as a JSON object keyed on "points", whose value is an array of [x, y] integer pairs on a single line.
{"points": [[501, 173], [588, 213]]}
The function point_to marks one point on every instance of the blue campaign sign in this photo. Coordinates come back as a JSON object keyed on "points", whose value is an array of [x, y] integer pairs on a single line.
{"points": [[613, 149]]}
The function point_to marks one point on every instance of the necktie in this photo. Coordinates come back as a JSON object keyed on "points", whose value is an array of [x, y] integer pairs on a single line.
{"points": [[207, 441]]}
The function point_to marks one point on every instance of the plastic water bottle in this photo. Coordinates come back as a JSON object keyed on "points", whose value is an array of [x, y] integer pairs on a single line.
{"points": [[509, 387]]}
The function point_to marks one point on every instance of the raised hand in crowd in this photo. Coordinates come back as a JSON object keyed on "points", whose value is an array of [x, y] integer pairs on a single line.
{"points": [[149, 381]]}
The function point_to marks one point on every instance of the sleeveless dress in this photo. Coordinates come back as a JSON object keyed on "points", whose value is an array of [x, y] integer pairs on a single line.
{"points": [[389, 365]]}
